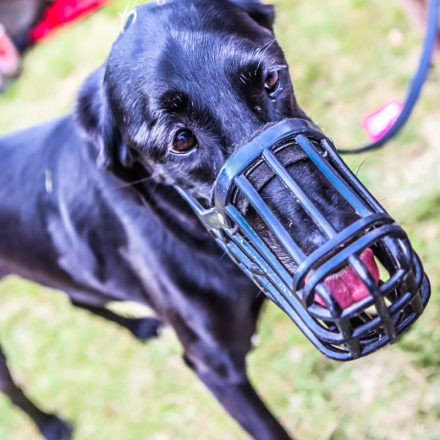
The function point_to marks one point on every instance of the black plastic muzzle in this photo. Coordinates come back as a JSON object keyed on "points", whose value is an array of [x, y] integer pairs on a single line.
{"points": [[392, 304]]}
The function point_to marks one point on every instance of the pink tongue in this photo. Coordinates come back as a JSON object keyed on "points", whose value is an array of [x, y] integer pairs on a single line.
{"points": [[346, 286]]}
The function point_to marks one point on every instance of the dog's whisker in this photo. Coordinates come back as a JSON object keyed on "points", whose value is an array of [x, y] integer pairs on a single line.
{"points": [[260, 292], [134, 182], [129, 11], [264, 46], [261, 52], [360, 166]]}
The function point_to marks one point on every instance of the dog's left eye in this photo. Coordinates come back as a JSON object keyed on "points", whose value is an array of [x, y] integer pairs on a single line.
{"points": [[184, 142], [272, 82]]}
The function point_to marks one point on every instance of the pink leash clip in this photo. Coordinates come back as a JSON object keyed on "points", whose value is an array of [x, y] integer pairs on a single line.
{"points": [[378, 123]]}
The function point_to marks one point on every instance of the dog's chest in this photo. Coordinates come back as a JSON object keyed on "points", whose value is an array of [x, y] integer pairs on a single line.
{"points": [[121, 248]]}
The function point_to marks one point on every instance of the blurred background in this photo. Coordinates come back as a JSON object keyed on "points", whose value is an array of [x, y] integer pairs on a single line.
{"points": [[347, 58]]}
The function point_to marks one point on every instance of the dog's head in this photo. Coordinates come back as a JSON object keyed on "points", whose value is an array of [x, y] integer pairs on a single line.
{"points": [[185, 85]]}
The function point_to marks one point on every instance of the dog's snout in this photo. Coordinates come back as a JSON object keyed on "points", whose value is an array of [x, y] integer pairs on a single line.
{"points": [[308, 233], [315, 239], [239, 125]]}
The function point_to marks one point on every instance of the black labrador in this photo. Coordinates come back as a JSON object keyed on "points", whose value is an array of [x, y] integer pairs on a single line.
{"points": [[88, 204]]}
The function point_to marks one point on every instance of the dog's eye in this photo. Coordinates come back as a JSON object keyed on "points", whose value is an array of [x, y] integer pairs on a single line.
{"points": [[184, 141], [272, 82]]}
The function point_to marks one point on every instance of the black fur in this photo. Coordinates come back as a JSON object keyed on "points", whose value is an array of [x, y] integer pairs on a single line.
{"points": [[87, 206]]}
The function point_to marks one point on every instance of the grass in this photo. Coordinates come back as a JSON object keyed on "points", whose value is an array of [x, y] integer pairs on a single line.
{"points": [[347, 58]]}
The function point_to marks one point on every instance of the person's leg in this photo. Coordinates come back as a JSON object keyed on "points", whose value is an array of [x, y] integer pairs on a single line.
{"points": [[9, 58], [18, 17], [16, 20], [26, 22]]}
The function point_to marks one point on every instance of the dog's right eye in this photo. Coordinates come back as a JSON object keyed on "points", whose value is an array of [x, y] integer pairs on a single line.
{"points": [[272, 82], [184, 142]]}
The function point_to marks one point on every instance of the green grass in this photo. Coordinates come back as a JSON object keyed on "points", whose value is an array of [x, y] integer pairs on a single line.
{"points": [[345, 61]]}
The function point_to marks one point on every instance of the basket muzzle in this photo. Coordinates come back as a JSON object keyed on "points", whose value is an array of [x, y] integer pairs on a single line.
{"points": [[395, 293]]}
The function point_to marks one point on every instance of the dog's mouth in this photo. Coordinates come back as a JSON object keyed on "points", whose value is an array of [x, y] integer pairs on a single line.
{"points": [[346, 286]]}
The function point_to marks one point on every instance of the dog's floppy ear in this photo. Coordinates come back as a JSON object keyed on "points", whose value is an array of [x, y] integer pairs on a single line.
{"points": [[263, 14], [95, 117]]}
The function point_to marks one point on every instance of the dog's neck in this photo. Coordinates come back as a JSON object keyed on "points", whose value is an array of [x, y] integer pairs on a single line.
{"points": [[166, 202]]}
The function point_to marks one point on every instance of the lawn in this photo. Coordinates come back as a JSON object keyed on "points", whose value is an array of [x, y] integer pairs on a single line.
{"points": [[347, 58]]}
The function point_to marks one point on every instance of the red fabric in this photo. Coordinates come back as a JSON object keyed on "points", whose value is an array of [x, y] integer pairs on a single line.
{"points": [[62, 12]]}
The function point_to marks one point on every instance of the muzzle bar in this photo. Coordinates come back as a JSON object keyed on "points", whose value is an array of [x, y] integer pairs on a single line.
{"points": [[342, 332]]}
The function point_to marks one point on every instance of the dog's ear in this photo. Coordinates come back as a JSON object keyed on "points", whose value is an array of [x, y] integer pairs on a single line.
{"points": [[96, 119], [263, 14]]}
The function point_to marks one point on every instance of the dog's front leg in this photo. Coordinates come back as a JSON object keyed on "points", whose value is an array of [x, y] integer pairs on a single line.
{"points": [[215, 346], [243, 403]]}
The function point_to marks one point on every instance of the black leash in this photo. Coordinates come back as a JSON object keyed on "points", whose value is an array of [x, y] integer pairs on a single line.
{"points": [[416, 84]]}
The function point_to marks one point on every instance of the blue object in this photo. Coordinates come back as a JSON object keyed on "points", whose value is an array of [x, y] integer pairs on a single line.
{"points": [[342, 334]]}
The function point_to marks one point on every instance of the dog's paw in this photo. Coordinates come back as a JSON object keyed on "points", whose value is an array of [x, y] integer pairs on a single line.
{"points": [[146, 328], [57, 429]]}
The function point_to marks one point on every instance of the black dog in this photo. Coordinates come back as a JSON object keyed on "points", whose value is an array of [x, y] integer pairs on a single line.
{"points": [[88, 206]]}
